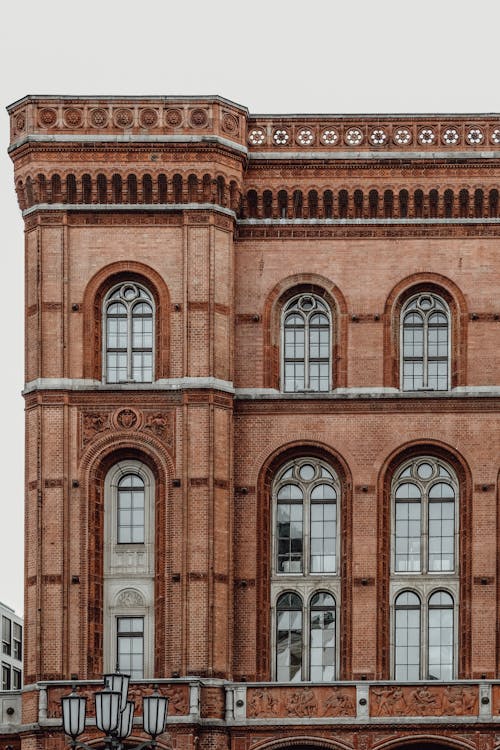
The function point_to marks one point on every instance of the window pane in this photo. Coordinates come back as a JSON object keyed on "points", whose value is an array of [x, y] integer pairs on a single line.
{"points": [[288, 642], [130, 510], [440, 657], [130, 646], [322, 643], [407, 532], [407, 637]]}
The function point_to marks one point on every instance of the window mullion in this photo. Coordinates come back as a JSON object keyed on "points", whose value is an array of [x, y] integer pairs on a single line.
{"points": [[425, 373], [306, 353], [129, 343]]}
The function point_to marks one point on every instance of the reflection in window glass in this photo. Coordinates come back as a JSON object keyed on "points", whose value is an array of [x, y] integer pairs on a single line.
{"points": [[322, 638], [289, 638]]}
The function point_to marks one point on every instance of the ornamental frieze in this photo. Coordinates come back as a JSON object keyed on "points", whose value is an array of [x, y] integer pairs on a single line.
{"points": [[178, 695], [158, 423], [301, 702], [424, 700]]}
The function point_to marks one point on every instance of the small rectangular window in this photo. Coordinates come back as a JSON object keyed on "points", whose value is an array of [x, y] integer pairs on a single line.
{"points": [[17, 642], [16, 679], [130, 646], [5, 677], [6, 636]]}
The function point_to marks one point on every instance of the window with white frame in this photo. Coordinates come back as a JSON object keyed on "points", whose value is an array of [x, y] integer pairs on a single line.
{"points": [[306, 344], [305, 638], [128, 317], [424, 642], [129, 567], [424, 580], [130, 509], [130, 646], [6, 636], [425, 343], [306, 495]]}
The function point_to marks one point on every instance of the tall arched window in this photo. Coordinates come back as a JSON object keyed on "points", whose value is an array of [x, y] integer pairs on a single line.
{"points": [[306, 495], [424, 643], [128, 334], [425, 344], [306, 344], [407, 637], [425, 539]]}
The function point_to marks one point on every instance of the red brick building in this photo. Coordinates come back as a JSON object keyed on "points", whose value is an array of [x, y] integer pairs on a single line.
{"points": [[262, 402]]}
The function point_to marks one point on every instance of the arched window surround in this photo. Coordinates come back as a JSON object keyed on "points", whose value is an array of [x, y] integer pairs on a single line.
{"points": [[277, 299], [400, 295], [461, 586], [128, 566], [97, 463], [101, 283], [264, 622]]}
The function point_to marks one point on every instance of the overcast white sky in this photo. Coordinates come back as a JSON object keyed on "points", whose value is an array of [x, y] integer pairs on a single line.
{"points": [[315, 56]]}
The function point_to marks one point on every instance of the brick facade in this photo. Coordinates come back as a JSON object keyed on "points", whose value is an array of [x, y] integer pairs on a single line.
{"points": [[224, 217]]}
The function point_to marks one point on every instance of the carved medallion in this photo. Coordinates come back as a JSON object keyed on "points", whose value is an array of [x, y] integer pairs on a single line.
{"points": [[126, 418], [148, 118], [99, 118], [20, 123], [73, 117], [198, 118], [173, 117], [47, 117], [230, 123], [123, 118]]}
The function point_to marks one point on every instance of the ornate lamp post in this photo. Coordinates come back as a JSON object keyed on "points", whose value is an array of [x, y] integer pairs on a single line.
{"points": [[114, 715]]}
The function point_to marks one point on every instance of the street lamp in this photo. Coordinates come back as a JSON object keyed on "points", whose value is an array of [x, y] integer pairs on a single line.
{"points": [[114, 715]]}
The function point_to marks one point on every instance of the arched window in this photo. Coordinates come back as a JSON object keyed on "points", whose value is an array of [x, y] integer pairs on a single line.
{"points": [[306, 344], [425, 528], [306, 494], [407, 637], [425, 344], [440, 636], [130, 510], [322, 637], [289, 638], [128, 590], [424, 637], [128, 317], [305, 653]]}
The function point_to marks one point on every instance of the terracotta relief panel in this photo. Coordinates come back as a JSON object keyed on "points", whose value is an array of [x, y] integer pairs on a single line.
{"points": [[449, 700], [178, 695], [301, 702]]}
